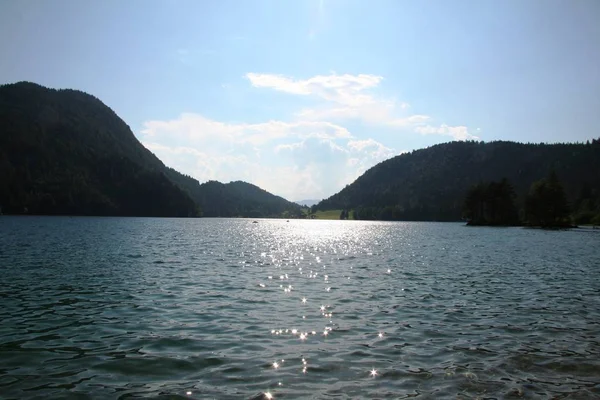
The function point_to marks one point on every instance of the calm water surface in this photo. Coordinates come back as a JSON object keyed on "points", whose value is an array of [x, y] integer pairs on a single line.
{"points": [[227, 309]]}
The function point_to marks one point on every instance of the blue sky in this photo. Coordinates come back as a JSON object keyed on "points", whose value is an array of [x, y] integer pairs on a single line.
{"points": [[301, 97]]}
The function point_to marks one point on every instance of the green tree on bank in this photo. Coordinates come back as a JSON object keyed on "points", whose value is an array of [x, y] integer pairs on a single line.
{"points": [[430, 184], [586, 208], [491, 204], [546, 204]]}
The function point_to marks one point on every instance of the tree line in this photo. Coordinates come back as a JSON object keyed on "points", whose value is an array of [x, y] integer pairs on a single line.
{"points": [[430, 184], [64, 152], [546, 205]]}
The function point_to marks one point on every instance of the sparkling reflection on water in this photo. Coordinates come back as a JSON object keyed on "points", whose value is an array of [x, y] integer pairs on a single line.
{"points": [[211, 308]]}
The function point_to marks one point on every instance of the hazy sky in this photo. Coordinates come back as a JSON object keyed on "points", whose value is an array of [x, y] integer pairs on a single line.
{"points": [[300, 97]]}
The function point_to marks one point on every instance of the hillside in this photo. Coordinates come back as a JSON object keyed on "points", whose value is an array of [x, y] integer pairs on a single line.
{"points": [[234, 199], [241, 199], [64, 152], [430, 184], [307, 202]]}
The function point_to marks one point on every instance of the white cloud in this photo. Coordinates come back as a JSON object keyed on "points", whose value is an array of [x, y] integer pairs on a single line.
{"points": [[303, 166], [366, 153], [352, 162], [312, 155], [343, 89], [197, 128], [362, 144], [297, 183], [289, 147], [457, 132], [327, 165], [208, 165], [345, 98], [343, 95]]}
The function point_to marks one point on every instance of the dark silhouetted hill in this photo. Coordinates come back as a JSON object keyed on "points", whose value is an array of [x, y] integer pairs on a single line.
{"points": [[241, 199], [307, 202], [64, 152], [431, 184]]}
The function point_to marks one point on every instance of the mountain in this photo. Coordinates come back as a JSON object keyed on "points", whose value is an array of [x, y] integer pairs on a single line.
{"points": [[430, 184], [64, 152], [234, 199], [307, 203], [241, 199]]}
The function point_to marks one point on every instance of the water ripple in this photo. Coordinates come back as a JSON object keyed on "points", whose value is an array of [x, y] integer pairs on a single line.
{"points": [[210, 308]]}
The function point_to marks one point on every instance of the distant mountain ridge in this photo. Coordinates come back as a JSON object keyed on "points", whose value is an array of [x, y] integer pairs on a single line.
{"points": [[242, 199], [64, 152], [308, 202], [430, 184]]}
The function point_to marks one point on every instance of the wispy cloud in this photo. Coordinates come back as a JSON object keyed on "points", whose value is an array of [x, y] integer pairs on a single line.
{"points": [[457, 132], [313, 154], [339, 88], [293, 159], [348, 97], [310, 167], [197, 128], [203, 164], [376, 150]]}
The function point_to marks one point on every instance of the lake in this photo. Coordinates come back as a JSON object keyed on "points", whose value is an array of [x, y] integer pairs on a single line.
{"points": [[228, 308]]}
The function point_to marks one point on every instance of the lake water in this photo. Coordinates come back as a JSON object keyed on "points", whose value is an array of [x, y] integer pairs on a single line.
{"points": [[213, 308]]}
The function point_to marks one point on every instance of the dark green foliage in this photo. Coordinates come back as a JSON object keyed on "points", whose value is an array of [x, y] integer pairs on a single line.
{"points": [[430, 184], [546, 204], [587, 206], [491, 204], [241, 199], [63, 152]]}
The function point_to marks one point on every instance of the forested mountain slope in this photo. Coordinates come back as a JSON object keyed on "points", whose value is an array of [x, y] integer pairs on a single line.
{"points": [[430, 184], [64, 152], [242, 199]]}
